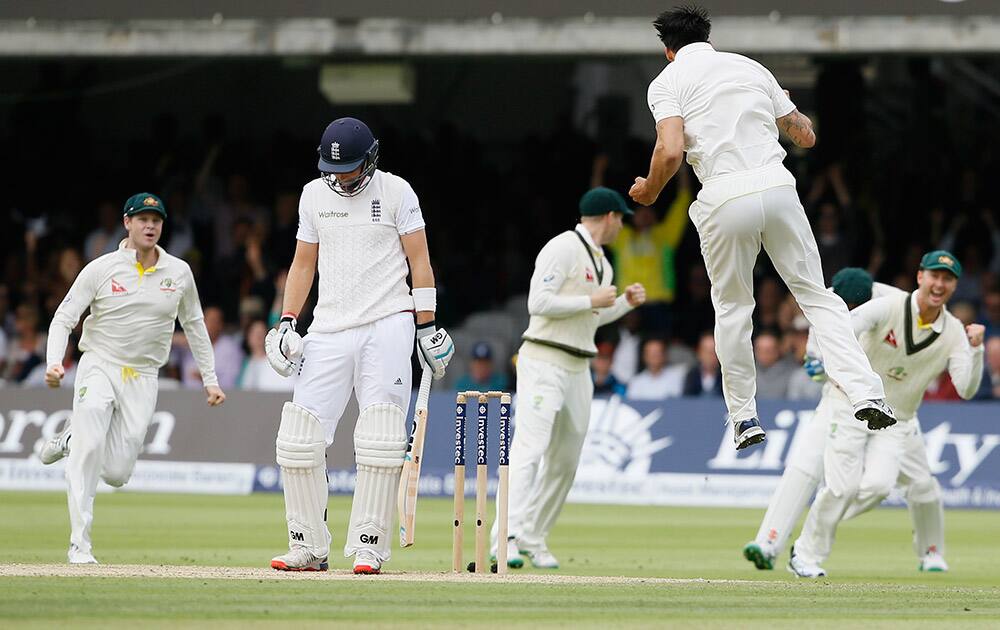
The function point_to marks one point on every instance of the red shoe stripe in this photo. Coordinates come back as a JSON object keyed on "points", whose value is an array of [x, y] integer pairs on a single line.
{"points": [[364, 569]]}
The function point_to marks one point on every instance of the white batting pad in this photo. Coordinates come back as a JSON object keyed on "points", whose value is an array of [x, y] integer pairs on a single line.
{"points": [[379, 449], [301, 453]]}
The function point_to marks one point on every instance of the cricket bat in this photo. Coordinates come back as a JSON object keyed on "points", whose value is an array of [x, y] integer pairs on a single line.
{"points": [[406, 500]]}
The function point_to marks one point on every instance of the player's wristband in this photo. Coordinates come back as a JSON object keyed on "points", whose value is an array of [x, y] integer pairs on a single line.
{"points": [[424, 299]]}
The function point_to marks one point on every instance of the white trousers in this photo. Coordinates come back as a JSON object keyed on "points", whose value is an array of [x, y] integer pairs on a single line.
{"points": [[861, 467], [112, 409], [372, 361], [732, 230], [551, 419], [802, 475]]}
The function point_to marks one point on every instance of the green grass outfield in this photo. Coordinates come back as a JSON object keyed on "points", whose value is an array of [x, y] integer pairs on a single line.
{"points": [[873, 578]]}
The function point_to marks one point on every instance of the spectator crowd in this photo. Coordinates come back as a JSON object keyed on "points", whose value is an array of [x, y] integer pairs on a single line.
{"points": [[233, 216]]}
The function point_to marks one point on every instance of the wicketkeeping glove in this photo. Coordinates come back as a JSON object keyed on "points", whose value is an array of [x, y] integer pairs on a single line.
{"points": [[814, 368], [434, 349], [283, 347]]}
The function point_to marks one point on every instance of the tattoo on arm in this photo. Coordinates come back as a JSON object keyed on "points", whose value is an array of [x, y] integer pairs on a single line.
{"points": [[798, 128]]}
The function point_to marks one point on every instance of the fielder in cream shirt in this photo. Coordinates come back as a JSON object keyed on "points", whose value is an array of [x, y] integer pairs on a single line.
{"points": [[725, 111], [571, 295], [134, 295], [911, 339]]}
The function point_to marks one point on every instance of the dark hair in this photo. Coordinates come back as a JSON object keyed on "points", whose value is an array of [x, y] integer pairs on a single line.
{"points": [[683, 25]]}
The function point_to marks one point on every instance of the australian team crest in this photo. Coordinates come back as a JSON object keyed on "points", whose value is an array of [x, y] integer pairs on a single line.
{"points": [[167, 285]]}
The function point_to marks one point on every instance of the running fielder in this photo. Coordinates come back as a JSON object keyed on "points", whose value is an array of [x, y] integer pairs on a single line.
{"points": [[571, 295], [725, 111], [910, 339], [363, 229], [134, 295], [804, 469]]}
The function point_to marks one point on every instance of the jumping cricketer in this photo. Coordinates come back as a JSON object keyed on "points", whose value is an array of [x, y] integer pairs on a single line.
{"points": [[910, 339], [571, 295], [134, 294], [363, 229], [725, 111]]}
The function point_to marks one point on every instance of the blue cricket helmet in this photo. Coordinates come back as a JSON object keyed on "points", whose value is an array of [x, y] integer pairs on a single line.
{"points": [[347, 144]]}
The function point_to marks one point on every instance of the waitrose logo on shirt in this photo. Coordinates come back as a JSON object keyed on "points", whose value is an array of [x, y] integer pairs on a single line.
{"points": [[330, 214]]}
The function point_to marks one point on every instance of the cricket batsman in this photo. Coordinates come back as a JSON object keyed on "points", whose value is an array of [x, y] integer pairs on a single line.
{"points": [[363, 230], [134, 295], [725, 111], [910, 339], [804, 469], [571, 295]]}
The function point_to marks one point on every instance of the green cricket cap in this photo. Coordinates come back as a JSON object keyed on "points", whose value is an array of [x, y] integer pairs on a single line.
{"points": [[601, 200], [144, 202], [941, 259], [853, 285]]}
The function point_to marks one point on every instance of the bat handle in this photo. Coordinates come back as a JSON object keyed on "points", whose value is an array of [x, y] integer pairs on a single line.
{"points": [[424, 393]]}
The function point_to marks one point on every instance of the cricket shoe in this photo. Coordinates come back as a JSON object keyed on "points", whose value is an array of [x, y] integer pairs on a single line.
{"points": [[76, 556], [747, 433], [933, 562], [761, 558], [514, 559], [541, 558], [366, 563], [803, 569], [54, 448], [876, 413], [299, 559]]}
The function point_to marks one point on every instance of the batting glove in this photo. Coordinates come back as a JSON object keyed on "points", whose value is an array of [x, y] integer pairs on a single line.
{"points": [[434, 349], [814, 368], [283, 347]]}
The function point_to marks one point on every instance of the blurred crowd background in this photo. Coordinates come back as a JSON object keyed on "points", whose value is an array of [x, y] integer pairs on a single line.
{"points": [[883, 186]]}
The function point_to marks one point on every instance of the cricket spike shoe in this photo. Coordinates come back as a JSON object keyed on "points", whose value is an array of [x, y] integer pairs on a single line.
{"points": [[876, 413], [366, 563], [299, 559], [933, 562], [760, 558], [542, 558], [55, 448], [77, 556], [747, 433], [804, 569], [514, 559]]}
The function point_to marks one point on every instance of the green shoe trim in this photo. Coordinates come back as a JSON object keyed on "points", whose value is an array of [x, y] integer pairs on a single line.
{"points": [[756, 555]]}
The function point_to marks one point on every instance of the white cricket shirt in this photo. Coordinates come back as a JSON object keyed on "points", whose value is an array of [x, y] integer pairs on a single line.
{"points": [[568, 269], [132, 313], [729, 104], [909, 360], [361, 263]]}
